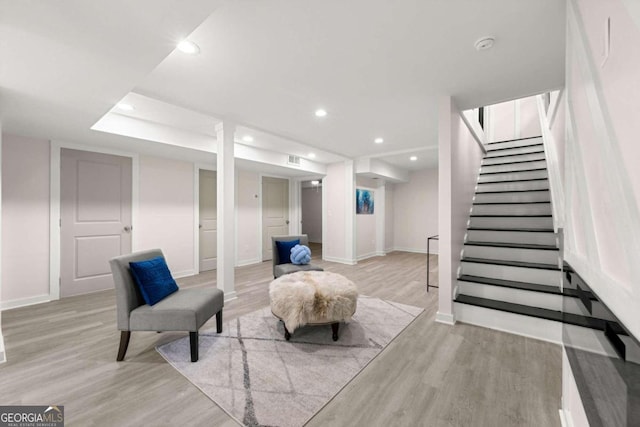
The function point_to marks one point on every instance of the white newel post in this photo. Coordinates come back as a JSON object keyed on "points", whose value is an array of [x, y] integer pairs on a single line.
{"points": [[225, 132]]}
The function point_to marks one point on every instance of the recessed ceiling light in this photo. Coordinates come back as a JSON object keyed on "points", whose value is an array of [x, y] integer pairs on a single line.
{"points": [[186, 46], [413, 158], [321, 113], [247, 138], [312, 155], [378, 140], [484, 43], [314, 182], [125, 107]]}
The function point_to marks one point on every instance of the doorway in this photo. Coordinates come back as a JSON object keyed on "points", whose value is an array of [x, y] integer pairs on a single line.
{"points": [[275, 212], [311, 213], [208, 222], [95, 218]]}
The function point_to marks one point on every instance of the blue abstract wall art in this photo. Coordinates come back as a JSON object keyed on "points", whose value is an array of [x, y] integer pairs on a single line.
{"points": [[364, 202]]}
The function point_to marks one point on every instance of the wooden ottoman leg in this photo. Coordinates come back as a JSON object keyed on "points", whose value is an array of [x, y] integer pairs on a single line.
{"points": [[287, 334], [334, 329]]}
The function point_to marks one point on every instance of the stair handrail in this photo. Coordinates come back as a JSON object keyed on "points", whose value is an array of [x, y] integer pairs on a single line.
{"points": [[556, 186]]}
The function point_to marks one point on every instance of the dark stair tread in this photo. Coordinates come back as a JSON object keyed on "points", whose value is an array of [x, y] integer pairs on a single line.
{"points": [[512, 203], [509, 155], [523, 170], [513, 180], [542, 313], [511, 163], [536, 287], [515, 139], [527, 230], [523, 264], [515, 148], [511, 191], [511, 216], [513, 245]]}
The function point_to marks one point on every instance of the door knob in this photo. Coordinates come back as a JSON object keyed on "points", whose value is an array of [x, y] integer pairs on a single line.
{"points": [[128, 228], [287, 222], [199, 225]]}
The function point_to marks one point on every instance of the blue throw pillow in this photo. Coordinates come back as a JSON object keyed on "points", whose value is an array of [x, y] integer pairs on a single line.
{"points": [[284, 250], [300, 254], [154, 279]]}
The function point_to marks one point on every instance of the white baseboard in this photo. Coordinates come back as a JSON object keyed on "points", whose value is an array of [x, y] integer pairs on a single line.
{"points": [[339, 260], [365, 256], [185, 273], [565, 418], [245, 262], [415, 250], [23, 302], [228, 296], [445, 318]]}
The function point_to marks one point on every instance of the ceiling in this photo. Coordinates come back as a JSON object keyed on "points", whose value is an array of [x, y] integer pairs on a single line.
{"points": [[376, 66]]}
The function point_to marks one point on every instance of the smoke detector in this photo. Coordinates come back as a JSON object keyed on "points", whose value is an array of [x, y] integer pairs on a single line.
{"points": [[484, 43]]}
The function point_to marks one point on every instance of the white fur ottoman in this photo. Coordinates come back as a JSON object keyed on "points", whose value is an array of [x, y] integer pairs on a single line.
{"points": [[312, 298]]}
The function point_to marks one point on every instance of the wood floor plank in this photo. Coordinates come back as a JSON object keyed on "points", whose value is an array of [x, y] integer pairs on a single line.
{"points": [[63, 352]]}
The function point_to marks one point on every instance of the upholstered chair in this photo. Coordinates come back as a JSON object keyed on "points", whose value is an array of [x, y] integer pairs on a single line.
{"points": [[183, 310], [284, 265]]}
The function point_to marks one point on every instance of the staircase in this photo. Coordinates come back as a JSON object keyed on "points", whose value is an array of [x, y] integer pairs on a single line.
{"points": [[511, 278]]}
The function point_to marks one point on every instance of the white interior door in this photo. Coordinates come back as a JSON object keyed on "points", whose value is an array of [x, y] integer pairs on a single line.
{"points": [[275, 212], [208, 220], [95, 220]]}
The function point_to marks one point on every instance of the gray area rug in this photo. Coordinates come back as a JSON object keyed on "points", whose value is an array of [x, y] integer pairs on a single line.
{"points": [[260, 379]]}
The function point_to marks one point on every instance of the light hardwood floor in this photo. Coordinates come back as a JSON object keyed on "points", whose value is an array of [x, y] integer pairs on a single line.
{"points": [[63, 352]]}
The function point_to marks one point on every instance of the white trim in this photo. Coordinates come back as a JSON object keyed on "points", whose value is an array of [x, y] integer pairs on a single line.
{"points": [[366, 256], [2, 352], [230, 296], [414, 250], [251, 261], [23, 302], [54, 204], [339, 260], [445, 318], [184, 273], [556, 186], [557, 97], [476, 131]]}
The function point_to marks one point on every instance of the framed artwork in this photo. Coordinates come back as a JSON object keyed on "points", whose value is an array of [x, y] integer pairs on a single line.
{"points": [[364, 202]]}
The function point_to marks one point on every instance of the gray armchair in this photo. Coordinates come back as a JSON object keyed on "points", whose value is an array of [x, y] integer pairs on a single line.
{"points": [[285, 266], [184, 310]]}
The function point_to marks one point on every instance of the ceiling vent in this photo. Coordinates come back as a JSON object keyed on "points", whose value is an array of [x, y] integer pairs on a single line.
{"points": [[294, 160]]}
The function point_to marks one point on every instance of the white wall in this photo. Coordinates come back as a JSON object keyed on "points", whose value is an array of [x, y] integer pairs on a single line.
{"points": [[311, 201], [166, 211], [2, 352], [458, 166], [416, 212], [248, 217], [602, 177], [25, 220], [513, 119], [366, 230]]}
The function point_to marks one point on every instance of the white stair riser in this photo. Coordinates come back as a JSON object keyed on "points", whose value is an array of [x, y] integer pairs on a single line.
{"points": [[513, 186], [515, 150], [533, 196], [506, 209], [534, 327], [511, 237], [512, 254], [517, 222], [509, 176], [514, 167], [516, 296], [507, 272], [512, 144], [509, 159]]}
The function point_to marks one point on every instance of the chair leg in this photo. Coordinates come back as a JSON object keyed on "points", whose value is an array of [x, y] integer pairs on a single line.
{"points": [[124, 343], [193, 340], [219, 321]]}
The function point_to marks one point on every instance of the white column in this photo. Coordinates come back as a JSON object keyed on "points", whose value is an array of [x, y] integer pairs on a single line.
{"points": [[350, 214], [295, 209], [380, 212], [446, 276], [226, 213], [2, 352]]}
